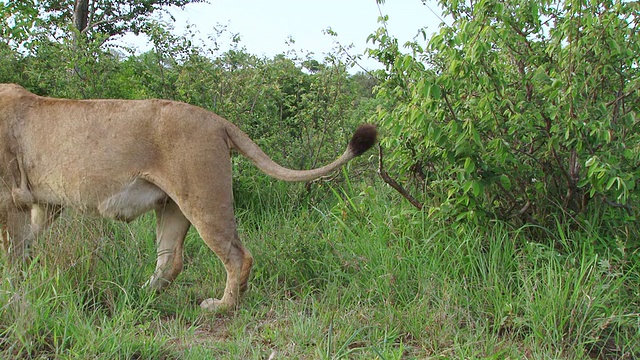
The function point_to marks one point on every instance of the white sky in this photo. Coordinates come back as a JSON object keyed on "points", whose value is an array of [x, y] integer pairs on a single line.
{"points": [[265, 26]]}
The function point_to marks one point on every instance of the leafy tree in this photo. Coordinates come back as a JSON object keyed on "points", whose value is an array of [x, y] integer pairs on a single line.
{"points": [[518, 109], [98, 19], [10, 68], [62, 42]]}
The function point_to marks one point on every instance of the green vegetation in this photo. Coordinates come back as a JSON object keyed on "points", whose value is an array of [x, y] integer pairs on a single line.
{"points": [[518, 110], [357, 276], [495, 266]]}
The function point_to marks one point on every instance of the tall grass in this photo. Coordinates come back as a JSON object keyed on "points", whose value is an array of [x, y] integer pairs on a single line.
{"points": [[346, 272]]}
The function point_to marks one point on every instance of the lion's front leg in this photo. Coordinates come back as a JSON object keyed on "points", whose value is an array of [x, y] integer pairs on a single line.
{"points": [[19, 234], [22, 197], [24, 225]]}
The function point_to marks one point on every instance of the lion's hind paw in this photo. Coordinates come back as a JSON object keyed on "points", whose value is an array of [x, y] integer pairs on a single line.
{"points": [[215, 305]]}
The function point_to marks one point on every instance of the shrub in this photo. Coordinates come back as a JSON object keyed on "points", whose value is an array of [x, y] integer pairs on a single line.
{"points": [[518, 109]]}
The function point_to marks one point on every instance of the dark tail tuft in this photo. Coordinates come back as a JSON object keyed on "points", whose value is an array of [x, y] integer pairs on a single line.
{"points": [[363, 139]]}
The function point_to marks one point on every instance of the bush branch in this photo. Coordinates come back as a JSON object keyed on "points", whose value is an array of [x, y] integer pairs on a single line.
{"points": [[394, 184]]}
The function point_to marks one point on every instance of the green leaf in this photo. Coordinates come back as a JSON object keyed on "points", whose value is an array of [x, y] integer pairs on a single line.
{"points": [[477, 188], [469, 165], [505, 182], [540, 75], [612, 181], [406, 62], [434, 91]]}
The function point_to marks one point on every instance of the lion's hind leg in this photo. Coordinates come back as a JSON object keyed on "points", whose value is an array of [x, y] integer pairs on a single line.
{"points": [[172, 227], [237, 261], [209, 207]]}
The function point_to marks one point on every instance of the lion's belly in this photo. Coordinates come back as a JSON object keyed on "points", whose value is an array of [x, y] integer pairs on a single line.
{"points": [[132, 200], [119, 200]]}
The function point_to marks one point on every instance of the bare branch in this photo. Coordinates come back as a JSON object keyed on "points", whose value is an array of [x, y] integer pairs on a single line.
{"points": [[394, 184], [623, 96]]}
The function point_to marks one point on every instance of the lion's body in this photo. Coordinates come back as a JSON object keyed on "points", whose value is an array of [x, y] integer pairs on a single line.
{"points": [[122, 158], [100, 154]]}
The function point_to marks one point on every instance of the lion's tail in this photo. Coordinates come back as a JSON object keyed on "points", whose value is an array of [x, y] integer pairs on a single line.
{"points": [[363, 139]]}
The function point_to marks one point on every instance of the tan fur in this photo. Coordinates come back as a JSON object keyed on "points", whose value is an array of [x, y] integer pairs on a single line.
{"points": [[122, 158]]}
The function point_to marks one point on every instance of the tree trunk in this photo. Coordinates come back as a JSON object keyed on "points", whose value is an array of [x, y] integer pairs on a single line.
{"points": [[81, 15]]}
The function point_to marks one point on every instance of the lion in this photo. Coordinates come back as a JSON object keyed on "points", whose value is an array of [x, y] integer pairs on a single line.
{"points": [[122, 158]]}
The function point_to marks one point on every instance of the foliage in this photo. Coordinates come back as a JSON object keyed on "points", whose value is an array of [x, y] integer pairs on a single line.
{"points": [[518, 110], [53, 60], [25, 20]]}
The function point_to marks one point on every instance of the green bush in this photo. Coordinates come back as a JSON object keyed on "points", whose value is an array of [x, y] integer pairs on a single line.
{"points": [[518, 110]]}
